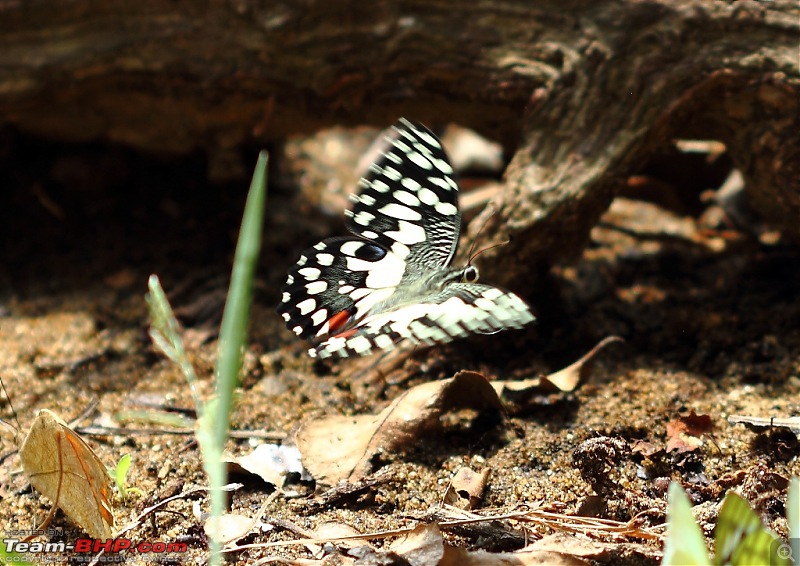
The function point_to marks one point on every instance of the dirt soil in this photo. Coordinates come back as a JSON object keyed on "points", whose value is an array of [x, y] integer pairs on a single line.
{"points": [[709, 319]]}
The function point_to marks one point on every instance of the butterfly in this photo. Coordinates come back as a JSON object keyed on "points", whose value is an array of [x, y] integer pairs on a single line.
{"points": [[61, 466], [392, 281]]}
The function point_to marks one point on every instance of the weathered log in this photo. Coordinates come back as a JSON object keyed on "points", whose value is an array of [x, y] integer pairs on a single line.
{"points": [[590, 87]]}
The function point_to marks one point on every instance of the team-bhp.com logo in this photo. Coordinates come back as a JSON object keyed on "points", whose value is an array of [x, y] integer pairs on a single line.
{"points": [[94, 546]]}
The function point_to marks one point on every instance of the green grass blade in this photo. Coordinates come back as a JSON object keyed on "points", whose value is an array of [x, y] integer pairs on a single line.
{"points": [[165, 336], [741, 537], [758, 547], [213, 427], [685, 544], [121, 475], [735, 522]]}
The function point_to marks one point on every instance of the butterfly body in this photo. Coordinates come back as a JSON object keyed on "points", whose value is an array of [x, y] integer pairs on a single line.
{"points": [[392, 280]]}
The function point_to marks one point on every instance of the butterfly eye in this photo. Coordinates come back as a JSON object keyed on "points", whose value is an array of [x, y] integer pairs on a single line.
{"points": [[370, 252], [470, 274]]}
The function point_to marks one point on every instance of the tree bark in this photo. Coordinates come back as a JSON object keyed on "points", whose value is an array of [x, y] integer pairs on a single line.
{"points": [[591, 87]]}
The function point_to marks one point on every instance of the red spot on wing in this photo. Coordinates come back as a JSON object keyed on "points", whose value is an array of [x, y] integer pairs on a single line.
{"points": [[338, 321]]}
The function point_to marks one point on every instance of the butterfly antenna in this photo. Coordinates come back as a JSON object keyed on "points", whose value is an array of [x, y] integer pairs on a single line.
{"points": [[475, 241], [479, 252]]}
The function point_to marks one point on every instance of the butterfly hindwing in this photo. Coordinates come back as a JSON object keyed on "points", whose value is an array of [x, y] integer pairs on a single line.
{"points": [[335, 283], [460, 309]]}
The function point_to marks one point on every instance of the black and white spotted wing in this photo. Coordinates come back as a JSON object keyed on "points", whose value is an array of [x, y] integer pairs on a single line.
{"points": [[408, 202], [392, 281]]}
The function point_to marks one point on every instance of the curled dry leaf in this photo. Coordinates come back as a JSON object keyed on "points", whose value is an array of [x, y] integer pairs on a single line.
{"points": [[564, 380], [560, 549], [229, 527], [792, 424], [525, 557], [572, 545], [421, 547], [685, 432], [425, 546], [466, 488], [341, 448], [62, 467]]}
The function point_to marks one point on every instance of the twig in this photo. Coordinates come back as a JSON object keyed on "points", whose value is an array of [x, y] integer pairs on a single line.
{"points": [[121, 431]]}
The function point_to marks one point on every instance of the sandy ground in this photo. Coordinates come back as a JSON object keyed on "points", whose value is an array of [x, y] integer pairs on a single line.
{"points": [[709, 319]]}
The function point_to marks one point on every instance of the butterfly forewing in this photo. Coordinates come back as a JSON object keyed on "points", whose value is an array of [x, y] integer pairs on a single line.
{"points": [[408, 201], [392, 282]]}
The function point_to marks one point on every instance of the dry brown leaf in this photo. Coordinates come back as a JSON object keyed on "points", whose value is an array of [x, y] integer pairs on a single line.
{"points": [[424, 546], [334, 530], [466, 488], [565, 380], [455, 556], [576, 373], [229, 527], [684, 433], [574, 545], [758, 423], [62, 467], [559, 549], [341, 448]]}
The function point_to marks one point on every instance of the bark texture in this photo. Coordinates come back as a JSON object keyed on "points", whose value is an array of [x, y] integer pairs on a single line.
{"points": [[583, 90]]}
